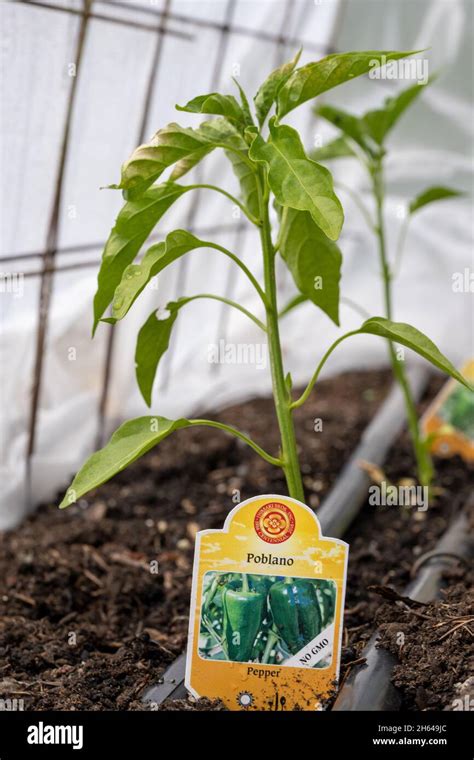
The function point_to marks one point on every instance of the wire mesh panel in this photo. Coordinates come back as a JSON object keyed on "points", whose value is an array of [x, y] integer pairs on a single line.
{"points": [[99, 78]]}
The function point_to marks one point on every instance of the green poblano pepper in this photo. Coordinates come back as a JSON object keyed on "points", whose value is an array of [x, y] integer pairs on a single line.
{"points": [[296, 612], [243, 613]]}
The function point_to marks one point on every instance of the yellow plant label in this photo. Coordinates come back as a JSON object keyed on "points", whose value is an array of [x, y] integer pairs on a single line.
{"points": [[449, 420], [267, 608]]}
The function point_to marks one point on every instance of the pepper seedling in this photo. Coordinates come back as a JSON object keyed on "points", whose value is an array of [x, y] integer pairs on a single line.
{"points": [[272, 167], [364, 138]]}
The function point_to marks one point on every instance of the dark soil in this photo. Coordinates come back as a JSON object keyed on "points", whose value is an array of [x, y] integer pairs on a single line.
{"points": [[436, 649], [88, 620]]}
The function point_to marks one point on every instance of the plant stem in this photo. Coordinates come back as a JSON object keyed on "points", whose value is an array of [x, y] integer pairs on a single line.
{"points": [[213, 634], [234, 304], [424, 464], [238, 434], [221, 248], [306, 393], [242, 266], [400, 245], [211, 593], [231, 197], [271, 641], [355, 307], [291, 466]]}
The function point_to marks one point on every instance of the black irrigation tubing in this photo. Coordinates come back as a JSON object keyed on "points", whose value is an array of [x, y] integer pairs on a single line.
{"points": [[339, 508], [368, 686], [343, 502]]}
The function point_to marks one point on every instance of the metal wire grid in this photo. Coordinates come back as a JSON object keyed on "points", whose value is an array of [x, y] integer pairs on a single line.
{"points": [[163, 22]]}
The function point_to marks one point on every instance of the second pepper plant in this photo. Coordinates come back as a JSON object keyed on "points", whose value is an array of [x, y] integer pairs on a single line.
{"points": [[272, 169], [365, 138]]}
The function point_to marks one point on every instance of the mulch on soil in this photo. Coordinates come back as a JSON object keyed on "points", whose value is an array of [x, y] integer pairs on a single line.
{"points": [[94, 600]]}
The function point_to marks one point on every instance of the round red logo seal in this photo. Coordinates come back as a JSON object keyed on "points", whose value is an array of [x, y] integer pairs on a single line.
{"points": [[274, 522]]}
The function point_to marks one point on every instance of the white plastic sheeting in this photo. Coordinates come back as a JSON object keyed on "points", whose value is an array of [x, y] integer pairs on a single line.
{"points": [[431, 146]]}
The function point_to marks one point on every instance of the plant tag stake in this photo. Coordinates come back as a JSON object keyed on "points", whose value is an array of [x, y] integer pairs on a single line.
{"points": [[266, 608], [449, 420]]}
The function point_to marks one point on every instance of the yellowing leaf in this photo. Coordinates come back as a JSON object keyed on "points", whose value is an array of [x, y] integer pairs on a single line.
{"points": [[247, 180], [318, 77], [215, 103], [268, 91], [176, 145]]}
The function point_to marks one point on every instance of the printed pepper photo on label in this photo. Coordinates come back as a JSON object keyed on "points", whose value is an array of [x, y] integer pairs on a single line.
{"points": [[296, 612], [262, 618]]}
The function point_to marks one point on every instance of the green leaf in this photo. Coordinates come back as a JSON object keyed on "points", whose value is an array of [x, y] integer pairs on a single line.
{"points": [[412, 338], [313, 260], [129, 442], [132, 227], [338, 148], [176, 145], [432, 194], [137, 276], [152, 342], [315, 78], [296, 181], [350, 125], [268, 91], [168, 146], [219, 133], [247, 180], [222, 134], [379, 122], [217, 104], [369, 130]]}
